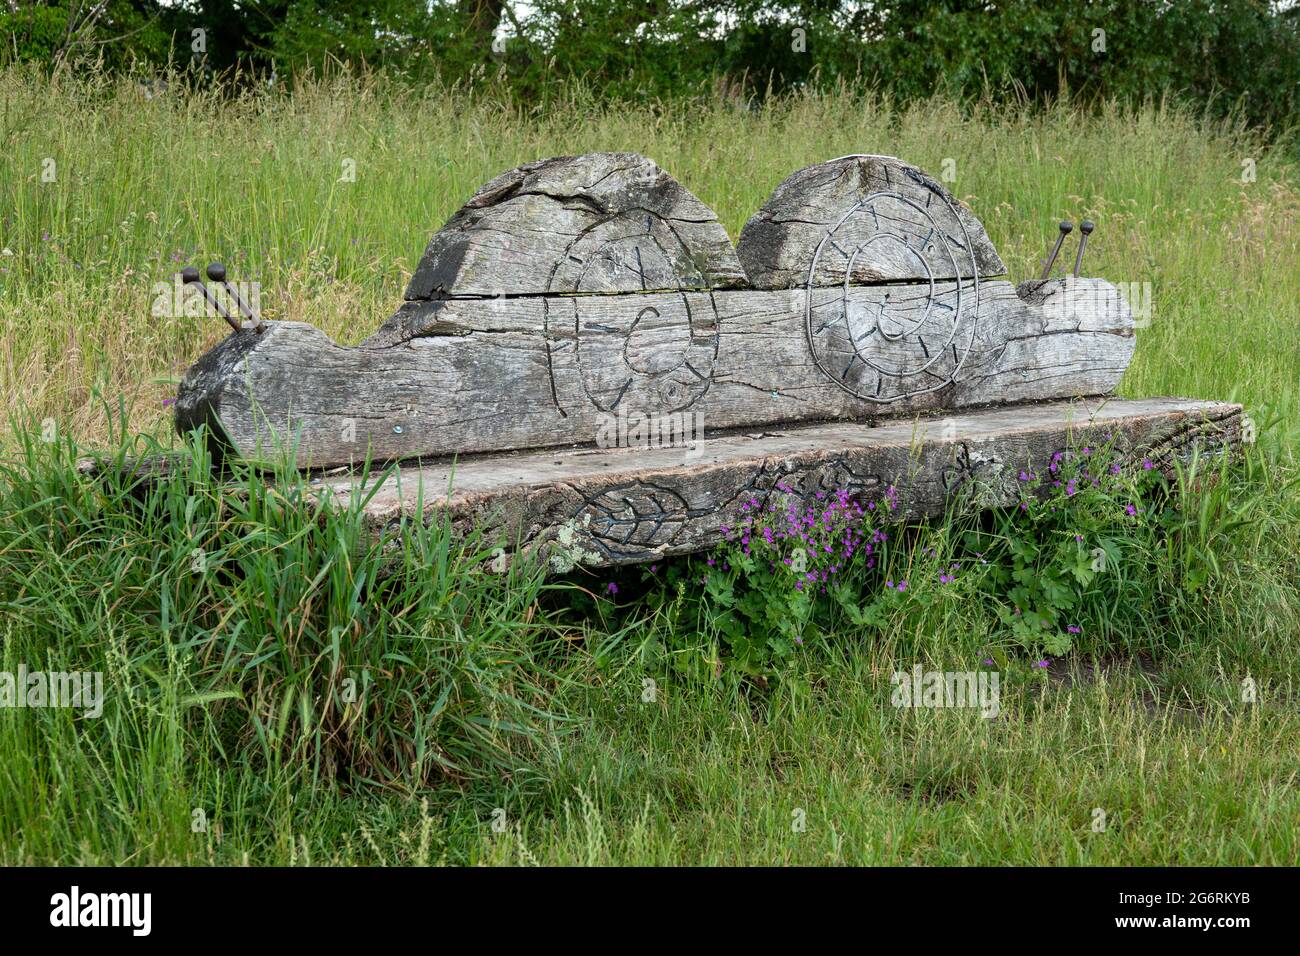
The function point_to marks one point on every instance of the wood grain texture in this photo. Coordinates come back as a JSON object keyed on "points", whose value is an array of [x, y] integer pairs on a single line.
{"points": [[596, 507], [461, 376], [602, 222], [578, 288], [860, 220]]}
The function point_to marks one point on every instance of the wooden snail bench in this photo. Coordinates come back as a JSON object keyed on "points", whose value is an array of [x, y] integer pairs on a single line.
{"points": [[585, 362]]}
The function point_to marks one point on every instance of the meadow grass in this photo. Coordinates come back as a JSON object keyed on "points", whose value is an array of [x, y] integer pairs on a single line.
{"points": [[227, 625]]}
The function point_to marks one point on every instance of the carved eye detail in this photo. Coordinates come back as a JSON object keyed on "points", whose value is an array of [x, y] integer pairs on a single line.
{"points": [[887, 343]]}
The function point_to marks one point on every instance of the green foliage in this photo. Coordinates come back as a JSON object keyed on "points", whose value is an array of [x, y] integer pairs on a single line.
{"points": [[320, 654], [1085, 523], [760, 592], [392, 34], [1089, 550], [116, 33], [34, 32], [1241, 55]]}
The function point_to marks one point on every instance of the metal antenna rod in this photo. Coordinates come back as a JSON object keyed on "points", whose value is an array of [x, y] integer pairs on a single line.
{"points": [[1066, 228], [1085, 229], [217, 273], [190, 276]]}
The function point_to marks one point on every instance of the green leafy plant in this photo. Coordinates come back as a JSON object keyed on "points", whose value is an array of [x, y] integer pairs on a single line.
{"points": [[1070, 553], [762, 592], [1078, 519]]}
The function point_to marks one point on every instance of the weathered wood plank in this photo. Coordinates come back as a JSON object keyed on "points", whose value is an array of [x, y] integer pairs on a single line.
{"points": [[863, 219], [490, 375], [594, 507], [602, 222], [575, 289]]}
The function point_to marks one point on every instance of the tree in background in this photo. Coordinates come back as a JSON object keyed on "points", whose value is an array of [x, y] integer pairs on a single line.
{"points": [[116, 32], [1243, 54]]}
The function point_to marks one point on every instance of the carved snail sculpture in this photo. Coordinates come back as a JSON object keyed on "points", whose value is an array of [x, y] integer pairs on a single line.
{"points": [[575, 288]]}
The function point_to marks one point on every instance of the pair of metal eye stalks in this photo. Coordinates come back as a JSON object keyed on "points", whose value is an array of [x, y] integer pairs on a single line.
{"points": [[1085, 229], [217, 274]]}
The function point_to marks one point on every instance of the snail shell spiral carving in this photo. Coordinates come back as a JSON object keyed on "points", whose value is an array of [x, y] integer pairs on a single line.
{"points": [[886, 343], [631, 352]]}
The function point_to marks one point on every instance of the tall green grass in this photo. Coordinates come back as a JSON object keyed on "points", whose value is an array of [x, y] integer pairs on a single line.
{"points": [[245, 624]]}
